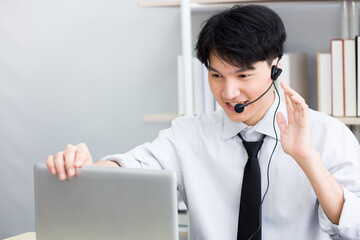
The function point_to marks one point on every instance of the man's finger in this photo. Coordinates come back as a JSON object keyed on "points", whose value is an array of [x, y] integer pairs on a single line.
{"points": [[60, 165], [50, 164], [69, 157], [82, 155], [292, 93], [301, 106], [281, 121]]}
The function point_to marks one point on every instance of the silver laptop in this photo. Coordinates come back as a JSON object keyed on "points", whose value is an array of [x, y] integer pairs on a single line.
{"points": [[104, 203]]}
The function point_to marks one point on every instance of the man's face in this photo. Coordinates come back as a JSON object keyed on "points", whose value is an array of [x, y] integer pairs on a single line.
{"points": [[231, 85]]}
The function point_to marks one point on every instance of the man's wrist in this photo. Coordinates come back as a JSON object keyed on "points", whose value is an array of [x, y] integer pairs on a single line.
{"points": [[313, 166], [108, 163], [311, 160]]}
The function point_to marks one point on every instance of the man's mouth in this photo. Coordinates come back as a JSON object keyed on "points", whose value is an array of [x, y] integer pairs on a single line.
{"points": [[233, 104]]}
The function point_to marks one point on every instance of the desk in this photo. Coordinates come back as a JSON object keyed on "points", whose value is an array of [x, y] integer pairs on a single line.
{"points": [[25, 236], [32, 236], [183, 230]]}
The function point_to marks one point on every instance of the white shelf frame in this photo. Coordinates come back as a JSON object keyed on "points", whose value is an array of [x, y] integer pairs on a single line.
{"points": [[216, 3], [160, 117], [185, 11], [168, 117]]}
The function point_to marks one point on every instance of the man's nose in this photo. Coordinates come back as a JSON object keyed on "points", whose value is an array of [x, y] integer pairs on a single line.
{"points": [[230, 90]]}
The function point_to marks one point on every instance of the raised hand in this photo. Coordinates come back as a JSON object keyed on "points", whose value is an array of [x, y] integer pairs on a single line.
{"points": [[296, 134], [296, 141]]}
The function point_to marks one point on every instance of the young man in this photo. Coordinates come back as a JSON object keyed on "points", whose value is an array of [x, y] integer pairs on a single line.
{"points": [[314, 173]]}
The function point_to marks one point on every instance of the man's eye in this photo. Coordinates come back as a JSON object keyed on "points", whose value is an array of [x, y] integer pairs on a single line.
{"points": [[214, 75], [243, 76]]}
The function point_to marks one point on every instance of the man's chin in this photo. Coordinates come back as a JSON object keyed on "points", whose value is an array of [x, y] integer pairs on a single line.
{"points": [[235, 117]]}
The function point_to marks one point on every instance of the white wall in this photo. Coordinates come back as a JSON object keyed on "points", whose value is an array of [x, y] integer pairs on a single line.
{"points": [[77, 71]]}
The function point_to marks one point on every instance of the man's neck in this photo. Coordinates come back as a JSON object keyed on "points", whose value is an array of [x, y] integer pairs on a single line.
{"points": [[262, 111]]}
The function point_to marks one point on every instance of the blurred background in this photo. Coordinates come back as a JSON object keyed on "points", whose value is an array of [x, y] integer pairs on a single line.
{"points": [[88, 70]]}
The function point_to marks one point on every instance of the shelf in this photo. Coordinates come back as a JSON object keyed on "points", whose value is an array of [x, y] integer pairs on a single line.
{"points": [[160, 4], [199, 3], [168, 117], [160, 117], [350, 120]]}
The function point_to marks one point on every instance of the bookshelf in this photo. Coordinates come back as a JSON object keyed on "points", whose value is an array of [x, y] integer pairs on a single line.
{"points": [[349, 19]]}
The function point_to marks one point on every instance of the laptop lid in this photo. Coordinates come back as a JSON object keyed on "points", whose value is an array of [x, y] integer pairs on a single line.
{"points": [[106, 203]]}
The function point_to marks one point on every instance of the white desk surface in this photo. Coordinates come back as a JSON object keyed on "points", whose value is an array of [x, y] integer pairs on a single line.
{"points": [[25, 236], [32, 236]]}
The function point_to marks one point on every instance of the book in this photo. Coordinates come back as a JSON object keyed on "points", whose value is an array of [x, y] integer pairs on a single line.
{"points": [[337, 78], [294, 66], [180, 86], [208, 97], [357, 60], [183, 220], [204, 101], [197, 86], [349, 77], [324, 82]]}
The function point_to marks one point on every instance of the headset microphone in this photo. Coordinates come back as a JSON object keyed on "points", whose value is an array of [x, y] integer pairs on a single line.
{"points": [[275, 73], [239, 108]]}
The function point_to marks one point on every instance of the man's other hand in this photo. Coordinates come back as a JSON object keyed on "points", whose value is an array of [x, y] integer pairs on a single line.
{"points": [[65, 163]]}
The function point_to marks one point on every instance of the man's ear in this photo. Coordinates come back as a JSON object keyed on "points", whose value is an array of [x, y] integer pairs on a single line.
{"points": [[275, 61]]}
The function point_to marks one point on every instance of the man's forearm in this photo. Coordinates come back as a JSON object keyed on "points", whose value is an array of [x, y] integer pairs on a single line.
{"points": [[327, 189]]}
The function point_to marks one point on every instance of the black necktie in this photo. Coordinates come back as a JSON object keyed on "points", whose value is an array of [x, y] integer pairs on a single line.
{"points": [[250, 202]]}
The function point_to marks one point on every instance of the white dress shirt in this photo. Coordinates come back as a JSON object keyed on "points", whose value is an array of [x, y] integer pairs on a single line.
{"points": [[209, 158]]}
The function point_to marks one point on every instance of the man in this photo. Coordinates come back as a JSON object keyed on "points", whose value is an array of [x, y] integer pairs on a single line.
{"points": [[307, 187]]}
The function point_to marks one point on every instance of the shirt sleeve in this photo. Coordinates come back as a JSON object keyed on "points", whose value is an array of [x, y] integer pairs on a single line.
{"points": [[162, 153], [344, 159], [349, 224]]}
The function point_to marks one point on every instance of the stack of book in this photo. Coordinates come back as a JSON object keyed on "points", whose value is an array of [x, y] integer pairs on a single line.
{"points": [[183, 226], [204, 101], [338, 79]]}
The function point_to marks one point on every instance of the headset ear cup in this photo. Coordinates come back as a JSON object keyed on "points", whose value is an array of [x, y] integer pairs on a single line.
{"points": [[275, 72]]}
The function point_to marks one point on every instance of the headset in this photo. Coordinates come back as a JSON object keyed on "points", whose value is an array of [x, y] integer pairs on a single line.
{"points": [[239, 108]]}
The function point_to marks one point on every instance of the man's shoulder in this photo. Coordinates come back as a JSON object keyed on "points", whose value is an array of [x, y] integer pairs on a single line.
{"points": [[324, 122], [200, 121]]}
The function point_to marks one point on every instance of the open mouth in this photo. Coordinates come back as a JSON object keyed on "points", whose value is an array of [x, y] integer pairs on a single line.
{"points": [[231, 106]]}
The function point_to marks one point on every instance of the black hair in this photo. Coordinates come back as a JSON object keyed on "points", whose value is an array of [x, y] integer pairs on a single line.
{"points": [[242, 36]]}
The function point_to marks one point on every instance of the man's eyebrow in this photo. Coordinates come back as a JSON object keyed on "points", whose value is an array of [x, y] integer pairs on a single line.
{"points": [[246, 68], [242, 69], [213, 69]]}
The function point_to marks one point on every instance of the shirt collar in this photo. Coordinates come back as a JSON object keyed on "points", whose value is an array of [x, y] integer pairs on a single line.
{"points": [[264, 126]]}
